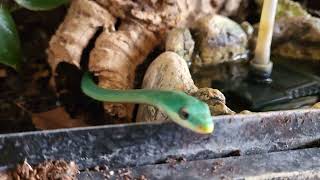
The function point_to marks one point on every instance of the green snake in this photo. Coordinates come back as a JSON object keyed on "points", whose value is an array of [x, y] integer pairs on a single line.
{"points": [[183, 109]]}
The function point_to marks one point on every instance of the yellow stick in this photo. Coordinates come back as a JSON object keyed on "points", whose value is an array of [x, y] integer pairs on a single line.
{"points": [[262, 51]]}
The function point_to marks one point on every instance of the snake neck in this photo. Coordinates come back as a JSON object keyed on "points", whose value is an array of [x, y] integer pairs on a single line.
{"points": [[140, 96]]}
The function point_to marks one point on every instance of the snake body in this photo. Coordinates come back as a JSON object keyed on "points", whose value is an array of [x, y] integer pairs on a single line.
{"points": [[183, 109]]}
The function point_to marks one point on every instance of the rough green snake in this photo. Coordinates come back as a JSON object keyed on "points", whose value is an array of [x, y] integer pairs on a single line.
{"points": [[183, 109]]}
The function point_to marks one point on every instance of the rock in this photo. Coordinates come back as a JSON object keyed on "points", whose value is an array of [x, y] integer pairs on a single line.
{"points": [[179, 40], [296, 33], [316, 106], [297, 38], [247, 28], [229, 7], [167, 71], [245, 112], [170, 71], [218, 39], [215, 99]]}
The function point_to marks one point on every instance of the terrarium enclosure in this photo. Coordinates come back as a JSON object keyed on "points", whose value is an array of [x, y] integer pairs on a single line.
{"points": [[199, 49]]}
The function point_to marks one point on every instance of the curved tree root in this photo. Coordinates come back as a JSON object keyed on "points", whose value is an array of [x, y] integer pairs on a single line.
{"points": [[115, 58], [80, 24], [118, 52]]}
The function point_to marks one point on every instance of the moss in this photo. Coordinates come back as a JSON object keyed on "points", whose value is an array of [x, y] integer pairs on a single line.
{"points": [[287, 8]]}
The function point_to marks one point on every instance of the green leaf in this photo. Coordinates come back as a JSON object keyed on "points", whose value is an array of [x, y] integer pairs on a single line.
{"points": [[10, 51], [41, 5]]}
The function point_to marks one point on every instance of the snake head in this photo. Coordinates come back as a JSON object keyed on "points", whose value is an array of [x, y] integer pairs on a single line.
{"points": [[190, 113], [196, 117]]}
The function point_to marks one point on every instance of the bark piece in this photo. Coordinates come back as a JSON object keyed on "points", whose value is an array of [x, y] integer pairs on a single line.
{"points": [[48, 170], [55, 119], [80, 24], [118, 51], [115, 58]]}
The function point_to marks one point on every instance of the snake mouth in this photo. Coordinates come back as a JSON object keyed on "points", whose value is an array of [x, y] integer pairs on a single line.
{"points": [[206, 129]]}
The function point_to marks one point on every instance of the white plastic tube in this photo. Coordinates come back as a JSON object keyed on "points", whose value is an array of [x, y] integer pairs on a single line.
{"points": [[261, 61]]}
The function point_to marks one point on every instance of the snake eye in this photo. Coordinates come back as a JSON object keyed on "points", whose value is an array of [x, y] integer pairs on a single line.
{"points": [[183, 113]]}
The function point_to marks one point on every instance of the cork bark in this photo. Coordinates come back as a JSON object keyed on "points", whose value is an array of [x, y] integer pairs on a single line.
{"points": [[119, 50]]}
